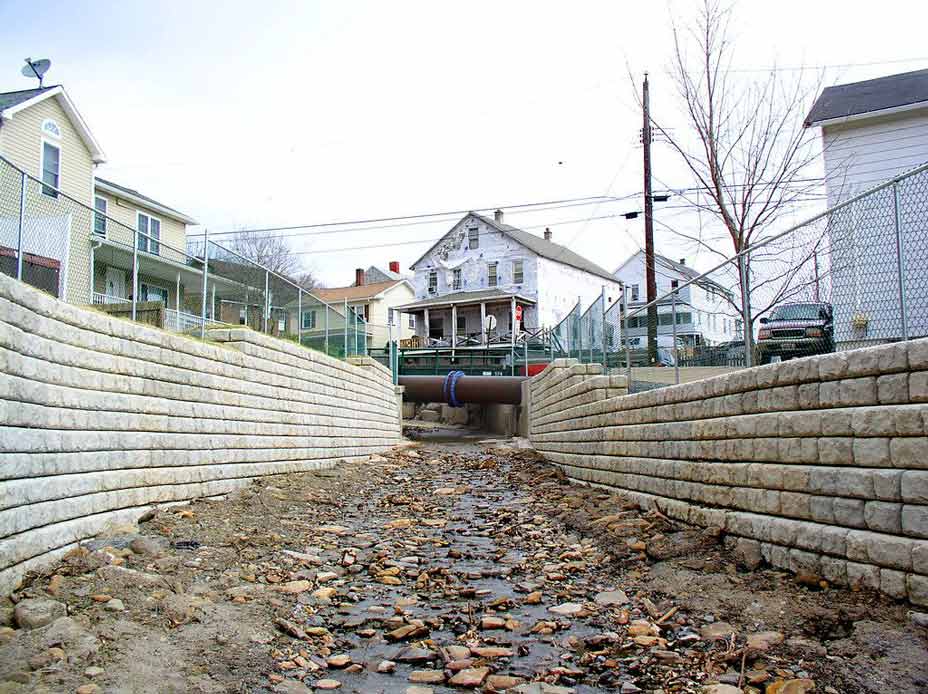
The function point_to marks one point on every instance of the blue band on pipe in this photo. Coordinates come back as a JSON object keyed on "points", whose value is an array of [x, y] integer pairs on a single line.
{"points": [[452, 400]]}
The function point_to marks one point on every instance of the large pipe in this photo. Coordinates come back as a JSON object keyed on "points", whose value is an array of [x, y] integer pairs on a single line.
{"points": [[506, 390]]}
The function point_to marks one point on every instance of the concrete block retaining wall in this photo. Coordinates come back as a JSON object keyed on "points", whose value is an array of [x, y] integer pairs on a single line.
{"points": [[816, 465], [101, 418]]}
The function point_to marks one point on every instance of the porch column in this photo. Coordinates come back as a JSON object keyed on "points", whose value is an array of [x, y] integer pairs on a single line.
{"points": [[177, 295], [426, 335], [512, 319], [454, 327], [484, 337]]}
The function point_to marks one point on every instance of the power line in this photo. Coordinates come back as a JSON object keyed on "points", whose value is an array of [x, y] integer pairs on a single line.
{"points": [[591, 199], [824, 67]]}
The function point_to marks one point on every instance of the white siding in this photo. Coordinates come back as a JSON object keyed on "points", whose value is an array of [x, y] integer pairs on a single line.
{"points": [[561, 285], [453, 251], [862, 153], [859, 155]]}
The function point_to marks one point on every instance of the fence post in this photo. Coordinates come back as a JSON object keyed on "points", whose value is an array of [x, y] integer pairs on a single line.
{"points": [[900, 263], [135, 270], [676, 355], [746, 311], [22, 221], [390, 345], [623, 333], [326, 343], [267, 298], [525, 355], [205, 278], [299, 316], [346, 328], [603, 337]]}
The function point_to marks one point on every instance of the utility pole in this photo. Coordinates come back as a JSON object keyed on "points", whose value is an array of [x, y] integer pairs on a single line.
{"points": [[650, 280]]}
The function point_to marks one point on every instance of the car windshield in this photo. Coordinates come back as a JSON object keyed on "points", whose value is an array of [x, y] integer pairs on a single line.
{"points": [[796, 312]]}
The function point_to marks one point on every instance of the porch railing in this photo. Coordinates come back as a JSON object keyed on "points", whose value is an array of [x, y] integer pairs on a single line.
{"points": [[182, 322]]}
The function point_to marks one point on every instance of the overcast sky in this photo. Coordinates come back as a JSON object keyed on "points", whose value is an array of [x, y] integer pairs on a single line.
{"points": [[272, 113]]}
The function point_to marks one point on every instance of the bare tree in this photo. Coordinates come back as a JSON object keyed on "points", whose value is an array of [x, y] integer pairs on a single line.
{"points": [[275, 254], [747, 148]]}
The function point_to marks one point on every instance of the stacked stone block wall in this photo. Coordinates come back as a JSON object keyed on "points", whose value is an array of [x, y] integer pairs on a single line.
{"points": [[101, 418], [817, 465]]}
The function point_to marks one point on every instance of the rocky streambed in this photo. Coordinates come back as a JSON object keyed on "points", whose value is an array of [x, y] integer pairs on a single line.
{"points": [[440, 567]]}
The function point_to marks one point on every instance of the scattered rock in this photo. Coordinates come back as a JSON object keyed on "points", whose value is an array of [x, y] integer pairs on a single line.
{"points": [[427, 676], [568, 609], [114, 605], [610, 598], [470, 677], [326, 684], [33, 613]]}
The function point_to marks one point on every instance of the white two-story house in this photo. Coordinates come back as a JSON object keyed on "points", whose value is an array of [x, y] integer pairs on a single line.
{"points": [[705, 312], [486, 282], [873, 131]]}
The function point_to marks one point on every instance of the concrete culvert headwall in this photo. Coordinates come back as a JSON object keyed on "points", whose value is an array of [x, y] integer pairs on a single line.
{"points": [[101, 418], [817, 465]]}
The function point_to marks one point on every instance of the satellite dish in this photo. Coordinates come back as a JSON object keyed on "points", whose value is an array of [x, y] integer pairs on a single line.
{"points": [[36, 68], [491, 323]]}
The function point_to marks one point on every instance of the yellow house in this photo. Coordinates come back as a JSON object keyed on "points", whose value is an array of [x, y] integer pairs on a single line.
{"points": [[79, 231]]}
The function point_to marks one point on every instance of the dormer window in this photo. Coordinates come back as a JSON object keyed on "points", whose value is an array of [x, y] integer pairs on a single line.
{"points": [[473, 238]]}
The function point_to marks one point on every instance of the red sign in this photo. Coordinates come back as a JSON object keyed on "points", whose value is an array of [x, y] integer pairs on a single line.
{"points": [[518, 313]]}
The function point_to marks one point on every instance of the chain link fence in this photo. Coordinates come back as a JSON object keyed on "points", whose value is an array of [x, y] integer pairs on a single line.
{"points": [[848, 278], [87, 256]]}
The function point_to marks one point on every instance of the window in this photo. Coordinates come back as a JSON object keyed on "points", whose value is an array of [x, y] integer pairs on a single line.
{"points": [[99, 216], [151, 292], [242, 316], [517, 275], [473, 237], [456, 278], [674, 284], [433, 282], [412, 321], [51, 168], [462, 325], [281, 325], [491, 275], [309, 320], [389, 316], [634, 292], [149, 234]]}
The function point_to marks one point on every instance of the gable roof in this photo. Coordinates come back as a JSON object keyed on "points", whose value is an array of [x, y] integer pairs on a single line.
{"points": [[892, 92], [12, 103], [354, 292], [137, 197], [536, 244], [682, 269]]}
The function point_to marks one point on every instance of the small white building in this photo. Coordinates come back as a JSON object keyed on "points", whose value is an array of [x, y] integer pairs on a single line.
{"points": [[873, 131], [483, 267], [706, 313]]}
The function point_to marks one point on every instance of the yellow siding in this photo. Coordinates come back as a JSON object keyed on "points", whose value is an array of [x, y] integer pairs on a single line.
{"points": [[173, 233], [21, 142]]}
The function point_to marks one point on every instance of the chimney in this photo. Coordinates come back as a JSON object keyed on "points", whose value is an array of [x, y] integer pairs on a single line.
{"points": [[498, 216], [359, 277], [682, 261], [547, 234], [395, 266]]}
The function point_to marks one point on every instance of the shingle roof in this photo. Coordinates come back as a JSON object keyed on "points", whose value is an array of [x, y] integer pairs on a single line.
{"points": [[853, 99], [538, 245], [467, 297], [355, 293], [9, 99], [134, 193]]}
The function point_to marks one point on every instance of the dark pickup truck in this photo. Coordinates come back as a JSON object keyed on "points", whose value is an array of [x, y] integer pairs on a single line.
{"points": [[796, 330]]}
